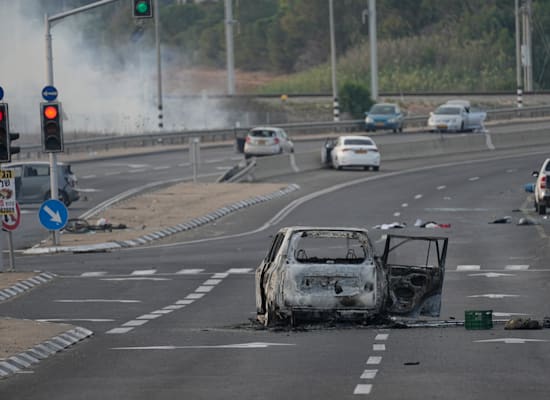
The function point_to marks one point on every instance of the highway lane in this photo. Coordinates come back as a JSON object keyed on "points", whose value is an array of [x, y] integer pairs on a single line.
{"points": [[208, 348]]}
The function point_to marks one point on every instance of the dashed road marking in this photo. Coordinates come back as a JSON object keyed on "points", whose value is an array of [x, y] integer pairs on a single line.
{"points": [[379, 347], [381, 336], [495, 296], [369, 374], [418, 197], [363, 388], [190, 271], [441, 187], [374, 360], [516, 267], [144, 272], [473, 178], [135, 322], [92, 274], [117, 331], [468, 267]]}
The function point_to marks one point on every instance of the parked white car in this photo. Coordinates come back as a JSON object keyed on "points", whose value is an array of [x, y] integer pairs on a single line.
{"points": [[542, 187], [456, 116], [351, 151], [327, 274], [263, 141]]}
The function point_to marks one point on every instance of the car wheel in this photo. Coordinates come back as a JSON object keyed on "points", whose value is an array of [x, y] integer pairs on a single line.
{"points": [[395, 130], [542, 209], [400, 129], [462, 127], [62, 197], [376, 168]]}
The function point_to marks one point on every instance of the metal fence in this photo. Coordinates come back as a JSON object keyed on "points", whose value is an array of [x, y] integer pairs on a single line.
{"points": [[230, 134]]}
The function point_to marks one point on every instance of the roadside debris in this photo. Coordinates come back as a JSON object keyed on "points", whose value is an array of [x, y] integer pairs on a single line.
{"points": [[430, 224], [393, 225], [504, 220], [78, 225], [520, 323], [527, 221]]}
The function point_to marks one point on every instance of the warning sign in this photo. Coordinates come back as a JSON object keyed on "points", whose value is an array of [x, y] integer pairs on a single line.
{"points": [[7, 192]]}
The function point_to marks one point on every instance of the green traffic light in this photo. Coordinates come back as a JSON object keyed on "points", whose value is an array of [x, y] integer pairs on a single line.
{"points": [[142, 7]]}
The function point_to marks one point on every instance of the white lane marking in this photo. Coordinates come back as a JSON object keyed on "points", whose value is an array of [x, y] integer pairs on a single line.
{"points": [[468, 267], [190, 271], [222, 168], [96, 301], [143, 272], [374, 360], [507, 315], [404, 205], [136, 171], [212, 282], [418, 197], [220, 275], [239, 270], [194, 296], [379, 347], [149, 316], [162, 167], [185, 302], [113, 173], [174, 307], [89, 190], [473, 178], [116, 331], [396, 214], [162, 312], [448, 209], [382, 336], [441, 187], [75, 320], [495, 296], [516, 267], [204, 289], [492, 274], [510, 340], [252, 345], [88, 177], [136, 322], [92, 274], [136, 279], [363, 388], [187, 164], [141, 166], [214, 160], [369, 374]]}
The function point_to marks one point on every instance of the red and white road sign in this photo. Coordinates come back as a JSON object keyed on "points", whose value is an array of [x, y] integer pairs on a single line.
{"points": [[10, 222]]}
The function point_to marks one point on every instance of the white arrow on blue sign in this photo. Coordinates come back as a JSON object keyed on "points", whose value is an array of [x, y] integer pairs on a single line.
{"points": [[53, 215], [49, 93]]}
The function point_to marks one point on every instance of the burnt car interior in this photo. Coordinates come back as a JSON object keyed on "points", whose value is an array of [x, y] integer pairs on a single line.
{"points": [[328, 248]]}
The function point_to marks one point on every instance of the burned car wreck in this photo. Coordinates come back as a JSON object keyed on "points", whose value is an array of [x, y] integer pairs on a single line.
{"points": [[322, 273]]}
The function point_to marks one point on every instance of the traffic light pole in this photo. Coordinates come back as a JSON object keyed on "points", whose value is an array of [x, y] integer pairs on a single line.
{"points": [[49, 20]]}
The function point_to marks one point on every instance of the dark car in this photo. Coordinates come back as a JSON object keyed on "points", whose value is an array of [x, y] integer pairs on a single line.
{"points": [[384, 116], [32, 182]]}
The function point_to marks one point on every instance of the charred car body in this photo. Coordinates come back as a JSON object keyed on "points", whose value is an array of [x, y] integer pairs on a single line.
{"points": [[318, 274]]}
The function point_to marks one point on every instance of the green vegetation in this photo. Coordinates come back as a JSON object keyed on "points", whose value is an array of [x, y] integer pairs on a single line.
{"points": [[423, 45]]}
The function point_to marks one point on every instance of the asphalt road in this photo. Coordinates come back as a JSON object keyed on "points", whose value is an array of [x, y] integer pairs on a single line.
{"points": [[173, 320]]}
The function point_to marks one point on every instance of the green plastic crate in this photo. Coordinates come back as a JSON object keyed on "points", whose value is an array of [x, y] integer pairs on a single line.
{"points": [[480, 319]]}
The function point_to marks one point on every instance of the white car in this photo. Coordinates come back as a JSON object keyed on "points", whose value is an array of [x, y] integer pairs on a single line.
{"points": [[262, 141], [542, 187], [355, 151], [331, 274], [456, 116]]}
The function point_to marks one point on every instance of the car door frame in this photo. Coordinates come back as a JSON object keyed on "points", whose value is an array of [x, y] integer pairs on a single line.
{"points": [[426, 282]]}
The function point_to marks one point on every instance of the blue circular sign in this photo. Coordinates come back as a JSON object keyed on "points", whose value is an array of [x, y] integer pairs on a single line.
{"points": [[1, 93], [53, 215], [49, 93]]}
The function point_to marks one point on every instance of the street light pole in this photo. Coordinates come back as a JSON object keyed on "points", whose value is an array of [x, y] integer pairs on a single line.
{"points": [[159, 69], [335, 106], [373, 50], [229, 50]]}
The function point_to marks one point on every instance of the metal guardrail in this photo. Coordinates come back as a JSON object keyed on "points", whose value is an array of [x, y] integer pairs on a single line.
{"points": [[229, 134]]}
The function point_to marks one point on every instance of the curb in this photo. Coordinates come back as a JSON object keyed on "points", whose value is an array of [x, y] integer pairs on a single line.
{"points": [[34, 355], [25, 285], [148, 238]]}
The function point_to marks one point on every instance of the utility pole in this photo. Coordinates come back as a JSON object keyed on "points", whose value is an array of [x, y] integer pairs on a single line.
{"points": [[335, 105], [527, 45], [229, 47], [519, 81], [373, 50], [159, 69]]}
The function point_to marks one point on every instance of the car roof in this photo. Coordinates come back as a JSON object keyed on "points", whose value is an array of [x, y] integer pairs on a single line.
{"points": [[356, 137], [298, 228], [261, 128]]}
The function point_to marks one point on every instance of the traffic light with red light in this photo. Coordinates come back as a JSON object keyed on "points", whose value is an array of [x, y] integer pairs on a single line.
{"points": [[52, 128], [4, 133], [142, 8]]}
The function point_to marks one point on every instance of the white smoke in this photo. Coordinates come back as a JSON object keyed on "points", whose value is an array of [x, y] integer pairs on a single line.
{"points": [[99, 94]]}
